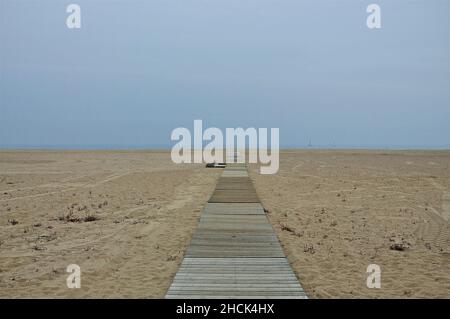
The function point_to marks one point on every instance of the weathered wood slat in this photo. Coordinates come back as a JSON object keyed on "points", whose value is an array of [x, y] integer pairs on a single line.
{"points": [[236, 294], [234, 174], [191, 296]]}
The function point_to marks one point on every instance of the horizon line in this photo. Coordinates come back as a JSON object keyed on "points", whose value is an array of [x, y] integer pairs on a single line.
{"points": [[95, 147]]}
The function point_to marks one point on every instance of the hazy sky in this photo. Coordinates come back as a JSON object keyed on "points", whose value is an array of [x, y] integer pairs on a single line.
{"points": [[138, 69]]}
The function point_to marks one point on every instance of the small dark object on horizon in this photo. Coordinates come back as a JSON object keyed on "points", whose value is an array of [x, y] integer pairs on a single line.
{"points": [[216, 165]]}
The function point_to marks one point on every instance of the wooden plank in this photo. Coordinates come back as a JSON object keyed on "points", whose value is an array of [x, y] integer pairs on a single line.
{"points": [[235, 192], [235, 186], [222, 196], [234, 174], [233, 253], [191, 296], [233, 270], [236, 179], [235, 294], [233, 209]]}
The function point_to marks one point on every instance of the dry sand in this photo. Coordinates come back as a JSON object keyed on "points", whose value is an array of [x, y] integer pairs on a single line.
{"points": [[126, 218], [147, 210], [336, 212]]}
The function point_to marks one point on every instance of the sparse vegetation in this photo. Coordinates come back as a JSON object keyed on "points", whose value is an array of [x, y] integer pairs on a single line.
{"points": [[90, 218], [13, 222], [286, 228], [309, 248], [38, 248], [71, 217], [291, 230]]}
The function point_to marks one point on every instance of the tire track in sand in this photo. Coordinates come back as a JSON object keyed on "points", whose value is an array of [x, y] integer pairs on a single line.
{"points": [[436, 231]]}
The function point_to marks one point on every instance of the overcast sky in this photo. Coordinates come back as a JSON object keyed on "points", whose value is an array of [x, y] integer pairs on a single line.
{"points": [[138, 69]]}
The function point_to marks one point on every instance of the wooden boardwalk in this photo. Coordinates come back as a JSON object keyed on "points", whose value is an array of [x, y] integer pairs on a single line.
{"points": [[234, 252]]}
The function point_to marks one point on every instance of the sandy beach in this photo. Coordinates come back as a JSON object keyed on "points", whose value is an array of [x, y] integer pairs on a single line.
{"points": [[336, 212], [126, 218]]}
